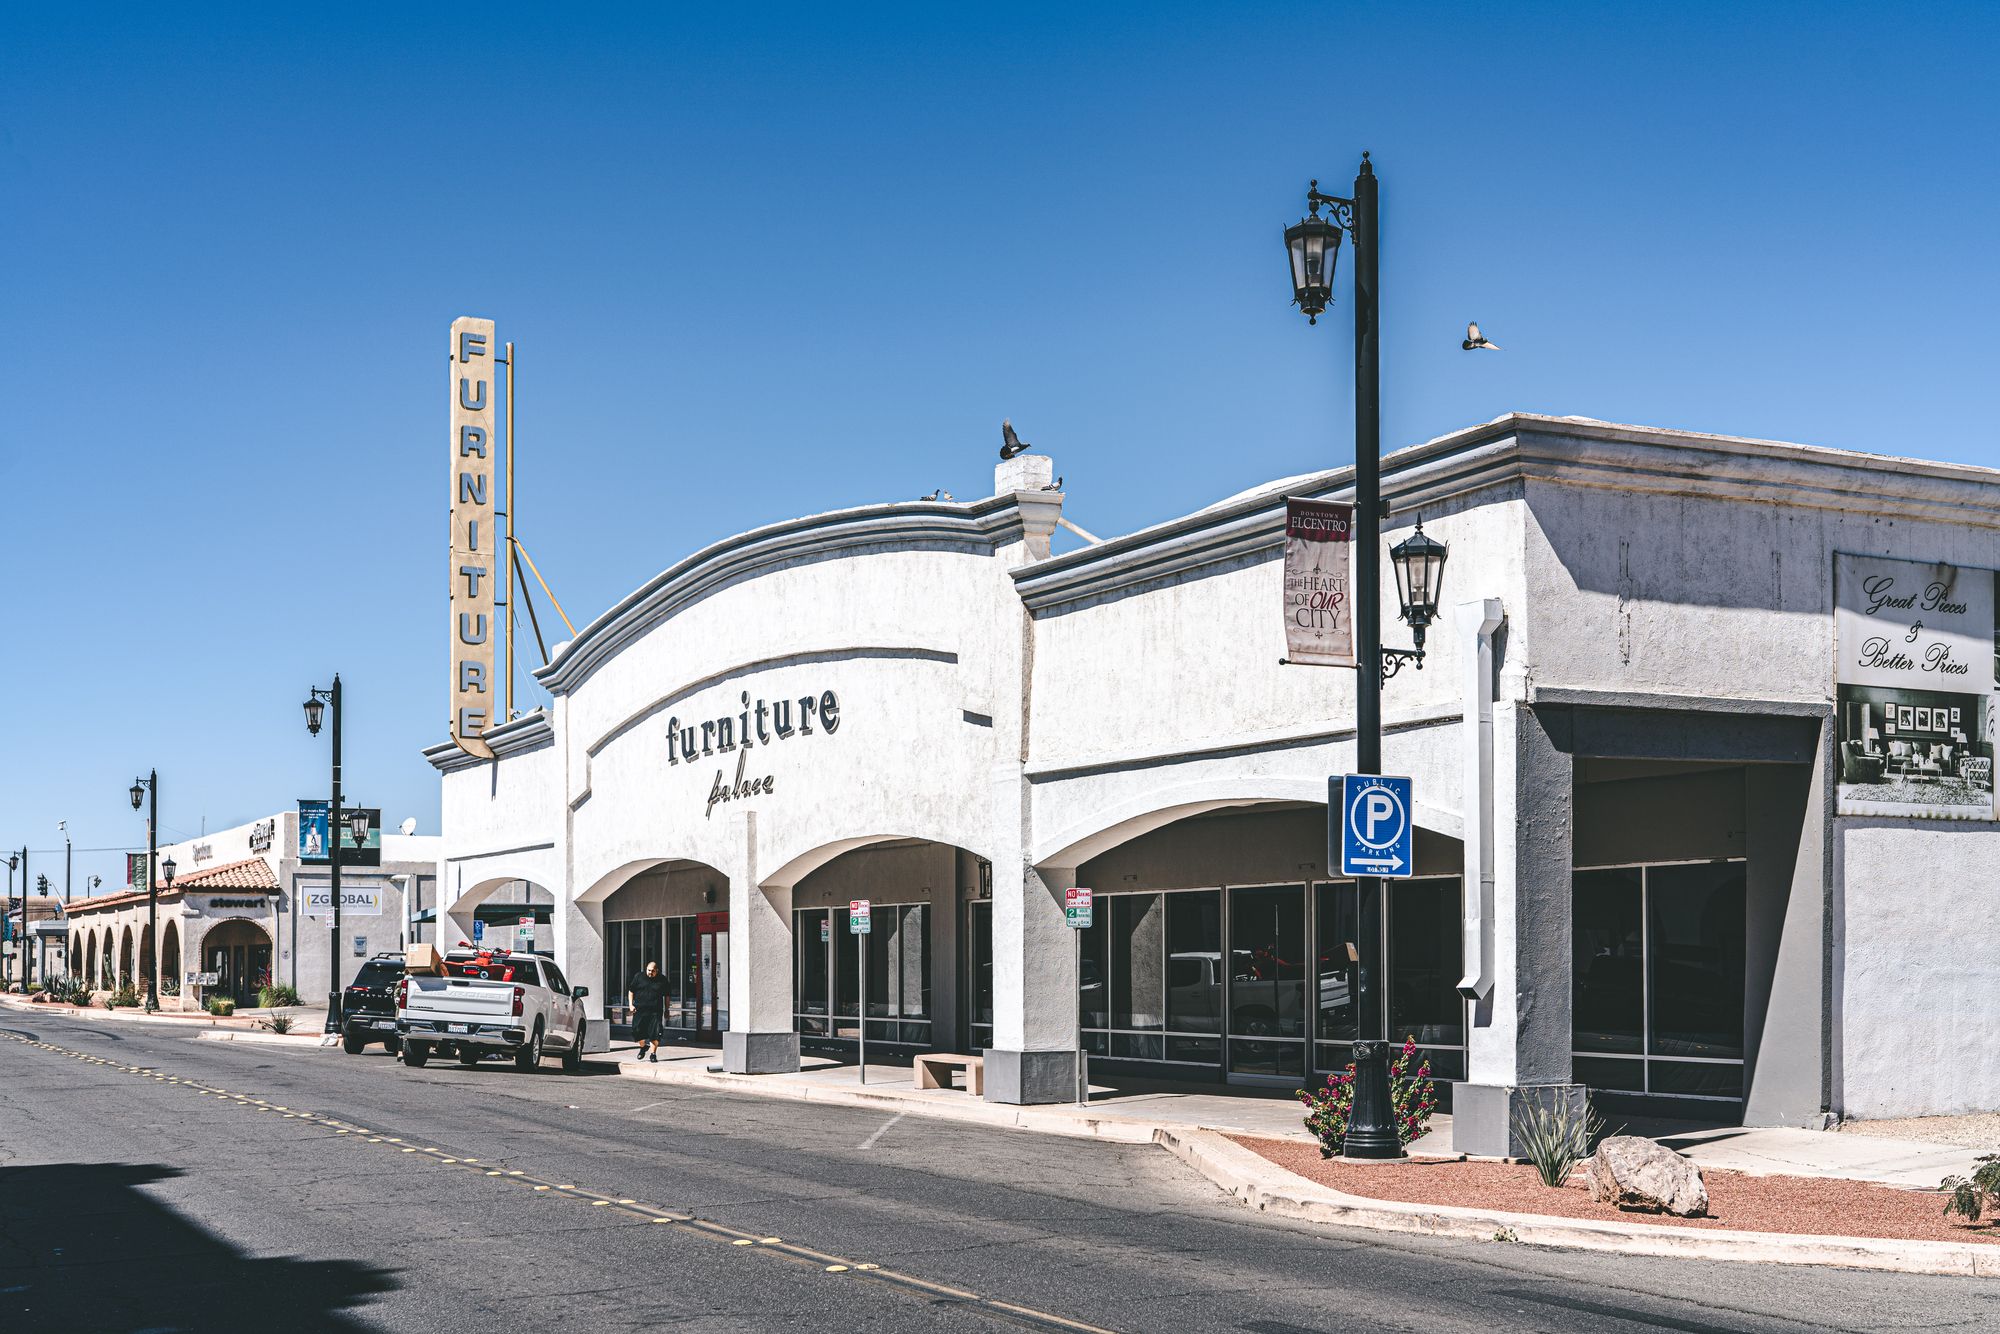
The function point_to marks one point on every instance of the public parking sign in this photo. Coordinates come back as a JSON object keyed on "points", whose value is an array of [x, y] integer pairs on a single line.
{"points": [[1373, 825], [1077, 908], [857, 916]]}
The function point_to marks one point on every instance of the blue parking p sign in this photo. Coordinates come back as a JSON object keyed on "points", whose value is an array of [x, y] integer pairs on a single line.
{"points": [[1373, 816]]}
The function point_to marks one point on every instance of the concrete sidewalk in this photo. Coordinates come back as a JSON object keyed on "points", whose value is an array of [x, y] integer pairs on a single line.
{"points": [[1134, 1114]]}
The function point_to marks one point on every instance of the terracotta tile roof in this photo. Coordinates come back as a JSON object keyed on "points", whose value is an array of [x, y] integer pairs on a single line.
{"points": [[252, 873]]}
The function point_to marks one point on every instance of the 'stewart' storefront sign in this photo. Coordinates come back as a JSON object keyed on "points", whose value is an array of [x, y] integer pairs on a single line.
{"points": [[1914, 653], [475, 551], [1319, 613]]}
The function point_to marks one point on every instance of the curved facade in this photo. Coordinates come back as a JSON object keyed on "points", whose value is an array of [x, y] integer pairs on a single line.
{"points": [[1631, 873]]}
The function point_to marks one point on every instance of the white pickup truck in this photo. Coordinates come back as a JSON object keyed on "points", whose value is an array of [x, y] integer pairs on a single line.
{"points": [[492, 1003]]}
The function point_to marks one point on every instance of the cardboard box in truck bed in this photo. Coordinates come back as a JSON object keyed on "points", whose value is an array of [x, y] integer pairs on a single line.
{"points": [[423, 960]]}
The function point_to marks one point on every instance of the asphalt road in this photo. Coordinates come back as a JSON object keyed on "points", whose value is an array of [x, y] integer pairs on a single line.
{"points": [[156, 1182]]}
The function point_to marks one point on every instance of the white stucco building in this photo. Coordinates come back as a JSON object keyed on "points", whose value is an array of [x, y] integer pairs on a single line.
{"points": [[242, 906], [1632, 872]]}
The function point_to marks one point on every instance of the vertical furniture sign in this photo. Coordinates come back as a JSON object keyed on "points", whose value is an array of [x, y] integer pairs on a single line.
{"points": [[475, 554], [1319, 611], [1914, 654]]}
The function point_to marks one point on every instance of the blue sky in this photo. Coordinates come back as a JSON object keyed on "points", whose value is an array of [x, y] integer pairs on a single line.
{"points": [[769, 261]]}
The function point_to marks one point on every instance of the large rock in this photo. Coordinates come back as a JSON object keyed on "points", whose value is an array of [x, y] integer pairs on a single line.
{"points": [[1636, 1173]]}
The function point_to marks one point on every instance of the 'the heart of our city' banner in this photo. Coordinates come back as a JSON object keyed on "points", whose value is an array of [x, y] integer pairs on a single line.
{"points": [[1319, 614], [1915, 654]]}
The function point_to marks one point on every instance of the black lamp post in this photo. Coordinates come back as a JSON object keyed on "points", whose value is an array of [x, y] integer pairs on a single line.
{"points": [[14, 862], [1313, 246], [141, 791], [357, 824]]}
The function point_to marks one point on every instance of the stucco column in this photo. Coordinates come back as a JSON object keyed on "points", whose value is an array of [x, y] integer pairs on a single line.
{"points": [[1033, 1057], [760, 1040], [1518, 1050], [579, 932]]}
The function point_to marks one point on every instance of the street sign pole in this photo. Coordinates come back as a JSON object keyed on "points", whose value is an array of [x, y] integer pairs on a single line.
{"points": [[1077, 912], [859, 923]]}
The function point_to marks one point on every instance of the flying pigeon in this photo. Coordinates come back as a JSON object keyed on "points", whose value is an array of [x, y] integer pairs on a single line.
{"points": [[1475, 340], [1010, 444]]}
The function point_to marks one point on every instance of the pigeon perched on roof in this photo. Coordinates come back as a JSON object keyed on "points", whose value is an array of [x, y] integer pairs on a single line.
{"points": [[939, 494], [1475, 340], [1056, 485], [1010, 444]]}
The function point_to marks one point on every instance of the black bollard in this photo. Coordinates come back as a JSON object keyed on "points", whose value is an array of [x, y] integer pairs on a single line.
{"points": [[1371, 1118]]}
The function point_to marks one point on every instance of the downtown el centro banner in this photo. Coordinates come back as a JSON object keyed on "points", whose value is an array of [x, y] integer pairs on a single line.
{"points": [[1319, 608], [1915, 648]]}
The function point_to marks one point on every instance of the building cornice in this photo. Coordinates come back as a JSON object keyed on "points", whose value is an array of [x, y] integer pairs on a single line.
{"points": [[977, 527], [1524, 447], [531, 731]]}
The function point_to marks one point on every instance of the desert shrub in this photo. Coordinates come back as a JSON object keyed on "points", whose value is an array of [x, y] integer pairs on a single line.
{"points": [[126, 997], [1412, 1097], [1971, 1196], [279, 1023], [221, 1006], [273, 996]]}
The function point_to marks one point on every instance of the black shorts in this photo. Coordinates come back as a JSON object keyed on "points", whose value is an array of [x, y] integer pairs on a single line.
{"points": [[646, 1027]]}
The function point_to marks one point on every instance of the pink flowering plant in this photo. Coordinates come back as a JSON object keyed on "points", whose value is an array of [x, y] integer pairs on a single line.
{"points": [[1412, 1096]]}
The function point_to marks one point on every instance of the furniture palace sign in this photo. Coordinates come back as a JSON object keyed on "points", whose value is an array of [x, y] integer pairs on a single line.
{"points": [[1914, 675], [476, 558]]}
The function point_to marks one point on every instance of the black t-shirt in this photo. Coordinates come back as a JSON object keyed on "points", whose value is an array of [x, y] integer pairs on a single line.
{"points": [[649, 994]]}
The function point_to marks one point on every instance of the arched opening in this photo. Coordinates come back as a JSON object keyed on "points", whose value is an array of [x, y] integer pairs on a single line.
{"points": [[914, 978], [88, 958], [1223, 949], [239, 953], [674, 913], [126, 977], [107, 958], [170, 955], [145, 973]]}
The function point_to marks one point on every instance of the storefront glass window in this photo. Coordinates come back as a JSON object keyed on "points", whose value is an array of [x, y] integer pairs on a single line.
{"points": [[979, 950], [1138, 936], [811, 934], [1424, 954], [1695, 951], [1267, 972], [1194, 969], [1658, 964], [1607, 971], [1342, 948]]}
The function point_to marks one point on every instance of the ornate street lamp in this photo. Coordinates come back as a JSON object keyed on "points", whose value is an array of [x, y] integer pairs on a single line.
{"points": [[141, 790], [357, 825], [1314, 246], [1419, 561], [167, 869], [316, 701]]}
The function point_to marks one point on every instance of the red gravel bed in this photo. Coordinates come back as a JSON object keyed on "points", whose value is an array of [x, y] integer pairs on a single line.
{"points": [[1736, 1200]]}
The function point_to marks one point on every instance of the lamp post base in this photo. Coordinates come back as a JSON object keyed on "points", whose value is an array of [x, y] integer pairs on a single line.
{"points": [[1371, 1117], [333, 1012]]}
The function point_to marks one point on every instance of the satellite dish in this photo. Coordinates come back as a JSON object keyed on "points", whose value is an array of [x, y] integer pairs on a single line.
{"points": [[409, 826]]}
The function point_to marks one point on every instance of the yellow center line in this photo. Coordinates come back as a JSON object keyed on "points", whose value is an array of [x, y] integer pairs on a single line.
{"points": [[776, 1246]]}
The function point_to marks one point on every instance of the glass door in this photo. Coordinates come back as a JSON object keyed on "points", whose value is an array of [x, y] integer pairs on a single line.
{"points": [[1267, 982]]}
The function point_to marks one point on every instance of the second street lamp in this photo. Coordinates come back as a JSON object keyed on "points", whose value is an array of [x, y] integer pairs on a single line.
{"points": [[316, 703], [140, 791]]}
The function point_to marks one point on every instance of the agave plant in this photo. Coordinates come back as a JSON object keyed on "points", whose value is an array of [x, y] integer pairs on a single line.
{"points": [[1557, 1135]]}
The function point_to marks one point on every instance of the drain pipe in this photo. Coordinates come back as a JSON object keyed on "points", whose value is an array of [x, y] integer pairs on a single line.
{"points": [[1477, 622]]}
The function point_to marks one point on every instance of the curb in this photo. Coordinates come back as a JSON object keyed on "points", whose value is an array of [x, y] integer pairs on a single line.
{"points": [[217, 1026], [1268, 1188], [1116, 1130], [276, 1039]]}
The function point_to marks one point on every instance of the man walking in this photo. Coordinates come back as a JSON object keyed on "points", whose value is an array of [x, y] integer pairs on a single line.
{"points": [[647, 995]]}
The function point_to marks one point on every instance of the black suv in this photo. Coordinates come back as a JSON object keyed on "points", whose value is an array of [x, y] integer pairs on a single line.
{"points": [[368, 1005]]}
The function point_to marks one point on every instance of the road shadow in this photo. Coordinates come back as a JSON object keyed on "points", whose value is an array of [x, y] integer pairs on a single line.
{"points": [[83, 1247]]}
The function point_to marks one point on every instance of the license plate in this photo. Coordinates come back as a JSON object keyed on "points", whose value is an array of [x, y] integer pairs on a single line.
{"points": [[385, 1023], [455, 1028]]}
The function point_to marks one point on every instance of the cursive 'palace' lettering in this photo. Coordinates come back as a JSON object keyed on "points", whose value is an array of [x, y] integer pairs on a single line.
{"points": [[773, 722], [742, 787]]}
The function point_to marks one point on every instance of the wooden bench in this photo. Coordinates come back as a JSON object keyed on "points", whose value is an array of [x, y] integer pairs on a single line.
{"points": [[934, 1072]]}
